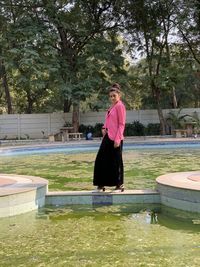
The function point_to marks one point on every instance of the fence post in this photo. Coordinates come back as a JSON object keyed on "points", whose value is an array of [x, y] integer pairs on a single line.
{"points": [[19, 126], [49, 123]]}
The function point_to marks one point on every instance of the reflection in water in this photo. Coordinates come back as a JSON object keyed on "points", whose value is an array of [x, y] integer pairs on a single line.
{"points": [[117, 235], [154, 217], [179, 220]]}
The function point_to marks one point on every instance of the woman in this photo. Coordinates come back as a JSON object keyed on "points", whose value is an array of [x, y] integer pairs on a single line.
{"points": [[108, 169]]}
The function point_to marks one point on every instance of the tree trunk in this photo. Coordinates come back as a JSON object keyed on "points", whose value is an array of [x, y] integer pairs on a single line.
{"points": [[66, 105], [30, 104], [156, 94], [75, 117], [161, 119], [174, 100], [6, 88]]}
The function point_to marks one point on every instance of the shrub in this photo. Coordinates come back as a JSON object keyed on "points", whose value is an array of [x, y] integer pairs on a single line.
{"points": [[85, 128], [97, 129], [152, 129], [135, 128]]}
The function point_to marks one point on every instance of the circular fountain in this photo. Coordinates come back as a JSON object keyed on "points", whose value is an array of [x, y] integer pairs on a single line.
{"points": [[180, 190], [20, 194]]}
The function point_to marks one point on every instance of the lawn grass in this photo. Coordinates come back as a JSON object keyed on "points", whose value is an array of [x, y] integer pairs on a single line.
{"points": [[75, 171]]}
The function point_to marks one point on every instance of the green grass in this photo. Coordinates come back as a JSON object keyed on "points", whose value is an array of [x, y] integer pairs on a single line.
{"points": [[74, 172]]}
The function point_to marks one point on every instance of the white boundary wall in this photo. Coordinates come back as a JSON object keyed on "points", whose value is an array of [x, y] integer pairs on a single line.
{"points": [[41, 125]]}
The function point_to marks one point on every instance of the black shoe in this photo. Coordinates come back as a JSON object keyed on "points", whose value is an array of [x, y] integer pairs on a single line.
{"points": [[100, 188], [119, 188]]}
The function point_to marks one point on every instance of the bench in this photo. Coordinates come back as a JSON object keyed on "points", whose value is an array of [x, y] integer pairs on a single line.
{"points": [[55, 137], [180, 133], [76, 136], [61, 136]]}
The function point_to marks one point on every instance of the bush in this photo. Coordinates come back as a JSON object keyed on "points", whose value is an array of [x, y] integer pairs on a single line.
{"points": [[152, 129], [134, 129], [85, 129], [95, 130]]}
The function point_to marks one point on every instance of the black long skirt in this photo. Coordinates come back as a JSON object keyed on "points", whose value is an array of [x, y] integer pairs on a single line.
{"points": [[108, 168]]}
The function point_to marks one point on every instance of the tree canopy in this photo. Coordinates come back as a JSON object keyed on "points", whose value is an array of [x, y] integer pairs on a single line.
{"points": [[62, 55]]}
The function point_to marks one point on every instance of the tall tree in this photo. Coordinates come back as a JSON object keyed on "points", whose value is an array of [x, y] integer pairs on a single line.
{"points": [[77, 23], [4, 22], [148, 26], [187, 23]]}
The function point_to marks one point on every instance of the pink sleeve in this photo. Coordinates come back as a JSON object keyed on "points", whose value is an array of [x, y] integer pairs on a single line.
{"points": [[104, 126], [121, 112]]}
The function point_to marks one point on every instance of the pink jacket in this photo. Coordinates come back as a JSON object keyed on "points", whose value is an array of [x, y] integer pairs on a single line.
{"points": [[115, 122]]}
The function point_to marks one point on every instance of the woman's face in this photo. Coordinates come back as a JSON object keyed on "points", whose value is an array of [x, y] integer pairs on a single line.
{"points": [[114, 97]]}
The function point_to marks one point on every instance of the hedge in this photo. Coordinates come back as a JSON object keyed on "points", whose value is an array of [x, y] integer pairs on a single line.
{"points": [[132, 129]]}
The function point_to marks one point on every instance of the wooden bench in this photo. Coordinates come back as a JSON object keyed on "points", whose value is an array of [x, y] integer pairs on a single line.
{"points": [[63, 136], [76, 136], [55, 137], [180, 133]]}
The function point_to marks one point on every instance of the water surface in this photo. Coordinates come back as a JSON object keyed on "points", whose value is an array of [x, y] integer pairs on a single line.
{"points": [[125, 235]]}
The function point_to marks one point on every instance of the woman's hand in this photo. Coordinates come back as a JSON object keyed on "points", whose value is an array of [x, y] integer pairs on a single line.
{"points": [[116, 145], [103, 131]]}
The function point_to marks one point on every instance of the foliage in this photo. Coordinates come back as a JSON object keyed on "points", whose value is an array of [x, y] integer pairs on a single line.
{"points": [[152, 129], [67, 124], [151, 26], [176, 120], [196, 119], [138, 129], [132, 129], [95, 130], [59, 55]]}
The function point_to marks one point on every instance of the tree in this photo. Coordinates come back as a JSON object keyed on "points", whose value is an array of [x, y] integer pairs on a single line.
{"points": [[148, 26], [77, 24], [187, 23], [3, 45], [28, 55]]}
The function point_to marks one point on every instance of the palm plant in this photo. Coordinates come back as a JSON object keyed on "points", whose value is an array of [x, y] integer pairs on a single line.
{"points": [[176, 120], [196, 120]]}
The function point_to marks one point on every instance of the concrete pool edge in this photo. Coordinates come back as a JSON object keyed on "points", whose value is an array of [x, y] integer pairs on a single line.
{"points": [[20, 194], [104, 198], [180, 190]]}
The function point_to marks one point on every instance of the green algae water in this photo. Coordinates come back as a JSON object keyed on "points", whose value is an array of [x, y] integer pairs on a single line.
{"points": [[122, 235], [118, 236]]}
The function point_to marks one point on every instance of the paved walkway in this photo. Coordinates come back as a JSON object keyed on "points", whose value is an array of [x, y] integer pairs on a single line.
{"points": [[6, 144]]}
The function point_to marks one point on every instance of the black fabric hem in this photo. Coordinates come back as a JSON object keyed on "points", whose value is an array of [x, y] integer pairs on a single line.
{"points": [[108, 169]]}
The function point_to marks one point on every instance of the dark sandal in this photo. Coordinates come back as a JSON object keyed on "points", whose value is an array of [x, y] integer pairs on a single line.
{"points": [[101, 188], [119, 187]]}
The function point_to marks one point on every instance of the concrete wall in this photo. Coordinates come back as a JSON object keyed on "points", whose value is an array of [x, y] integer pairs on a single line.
{"points": [[31, 125], [40, 125]]}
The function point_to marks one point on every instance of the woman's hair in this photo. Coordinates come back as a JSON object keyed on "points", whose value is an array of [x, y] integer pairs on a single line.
{"points": [[115, 88]]}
